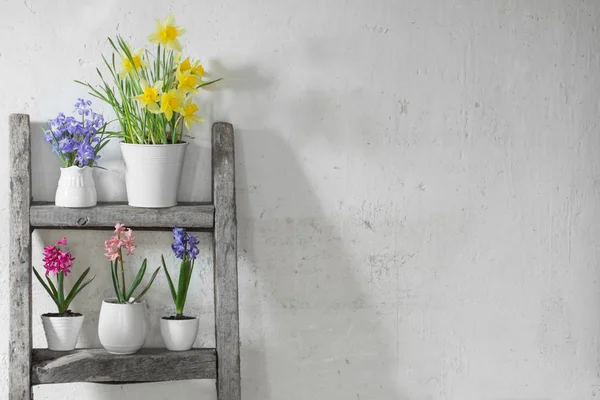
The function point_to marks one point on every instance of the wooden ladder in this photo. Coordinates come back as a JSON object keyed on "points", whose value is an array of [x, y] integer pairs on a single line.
{"points": [[28, 366]]}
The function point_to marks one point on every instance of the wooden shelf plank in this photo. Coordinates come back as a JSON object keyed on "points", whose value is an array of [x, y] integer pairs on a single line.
{"points": [[105, 215], [97, 365]]}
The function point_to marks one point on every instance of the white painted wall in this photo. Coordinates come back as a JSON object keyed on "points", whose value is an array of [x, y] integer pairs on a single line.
{"points": [[417, 181]]}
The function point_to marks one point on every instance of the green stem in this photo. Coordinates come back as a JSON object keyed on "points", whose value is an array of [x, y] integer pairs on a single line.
{"points": [[123, 276], [183, 284], [60, 292], [144, 127]]}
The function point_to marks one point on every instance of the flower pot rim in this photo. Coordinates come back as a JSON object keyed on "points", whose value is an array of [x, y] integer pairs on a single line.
{"points": [[57, 317], [77, 167], [113, 300], [186, 318], [154, 145]]}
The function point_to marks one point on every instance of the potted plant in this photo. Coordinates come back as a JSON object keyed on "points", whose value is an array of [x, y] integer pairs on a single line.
{"points": [[122, 322], [179, 331], [77, 142], [152, 99], [61, 328]]}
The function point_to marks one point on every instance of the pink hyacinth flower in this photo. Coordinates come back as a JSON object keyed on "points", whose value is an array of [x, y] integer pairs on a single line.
{"points": [[65, 260], [56, 260], [117, 242], [119, 228], [112, 248], [127, 243], [112, 254]]}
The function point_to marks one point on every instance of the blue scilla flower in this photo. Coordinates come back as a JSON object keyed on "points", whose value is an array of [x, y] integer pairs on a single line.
{"points": [[76, 139], [48, 136], [66, 145], [81, 107], [80, 103], [85, 153]]}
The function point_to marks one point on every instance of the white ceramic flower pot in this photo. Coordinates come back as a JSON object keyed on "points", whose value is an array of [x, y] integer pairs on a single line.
{"points": [[76, 188], [179, 334], [62, 332], [152, 173], [122, 327]]}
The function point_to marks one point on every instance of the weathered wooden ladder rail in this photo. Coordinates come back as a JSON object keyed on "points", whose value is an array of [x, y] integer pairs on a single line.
{"points": [[29, 366]]}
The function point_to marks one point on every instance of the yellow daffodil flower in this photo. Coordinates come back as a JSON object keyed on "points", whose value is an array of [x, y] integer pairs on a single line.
{"points": [[149, 96], [187, 82], [185, 65], [198, 69], [167, 33], [170, 102], [194, 68], [188, 112], [138, 63]]}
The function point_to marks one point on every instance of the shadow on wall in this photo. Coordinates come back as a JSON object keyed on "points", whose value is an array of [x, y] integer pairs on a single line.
{"points": [[307, 328]]}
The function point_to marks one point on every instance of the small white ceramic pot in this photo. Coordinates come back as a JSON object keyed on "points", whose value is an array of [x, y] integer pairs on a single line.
{"points": [[179, 334], [122, 327], [152, 173], [62, 332], [76, 188]]}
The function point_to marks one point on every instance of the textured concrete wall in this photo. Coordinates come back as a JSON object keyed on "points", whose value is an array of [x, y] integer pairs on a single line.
{"points": [[417, 189]]}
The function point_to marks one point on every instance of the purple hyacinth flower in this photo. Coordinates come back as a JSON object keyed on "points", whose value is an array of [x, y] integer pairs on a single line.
{"points": [[185, 245], [179, 243], [192, 242]]}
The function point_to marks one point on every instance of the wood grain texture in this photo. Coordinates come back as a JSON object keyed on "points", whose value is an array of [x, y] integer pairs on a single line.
{"points": [[225, 260], [97, 365], [19, 358], [105, 215]]}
